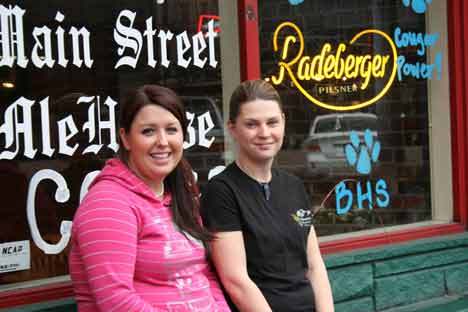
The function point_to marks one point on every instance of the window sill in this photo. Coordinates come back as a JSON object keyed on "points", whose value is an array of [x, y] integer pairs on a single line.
{"points": [[61, 287], [386, 236], [36, 291]]}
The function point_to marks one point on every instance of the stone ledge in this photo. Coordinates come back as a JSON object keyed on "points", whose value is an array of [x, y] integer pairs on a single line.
{"points": [[445, 304], [456, 278], [398, 250], [421, 261], [358, 305], [351, 282], [404, 289]]}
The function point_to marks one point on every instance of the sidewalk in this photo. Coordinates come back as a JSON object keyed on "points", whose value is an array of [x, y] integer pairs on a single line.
{"points": [[460, 305], [444, 304]]}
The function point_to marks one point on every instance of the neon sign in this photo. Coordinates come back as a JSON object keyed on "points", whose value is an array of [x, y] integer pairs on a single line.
{"points": [[334, 65]]}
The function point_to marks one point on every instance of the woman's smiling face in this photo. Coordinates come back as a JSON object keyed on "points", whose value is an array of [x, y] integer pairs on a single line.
{"points": [[259, 130], [154, 144]]}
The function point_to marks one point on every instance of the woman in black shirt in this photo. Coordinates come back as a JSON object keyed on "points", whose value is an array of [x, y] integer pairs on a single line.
{"points": [[265, 251]]}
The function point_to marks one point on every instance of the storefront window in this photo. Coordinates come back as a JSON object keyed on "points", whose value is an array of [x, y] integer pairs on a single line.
{"points": [[63, 68], [359, 81]]}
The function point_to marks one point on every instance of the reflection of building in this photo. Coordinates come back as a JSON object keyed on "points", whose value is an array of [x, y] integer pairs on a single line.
{"points": [[419, 123]]}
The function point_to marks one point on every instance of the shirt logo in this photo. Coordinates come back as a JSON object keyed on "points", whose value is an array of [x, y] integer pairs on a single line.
{"points": [[302, 217]]}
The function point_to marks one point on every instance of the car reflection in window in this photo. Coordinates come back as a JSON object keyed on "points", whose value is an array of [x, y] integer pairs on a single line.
{"points": [[328, 136], [206, 148]]}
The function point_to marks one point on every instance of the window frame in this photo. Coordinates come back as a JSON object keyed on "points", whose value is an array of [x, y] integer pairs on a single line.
{"points": [[250, 69], [457, 29]]}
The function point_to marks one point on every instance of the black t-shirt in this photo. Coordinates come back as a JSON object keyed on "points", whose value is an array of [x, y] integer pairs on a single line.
{"points": [[275, 232]]}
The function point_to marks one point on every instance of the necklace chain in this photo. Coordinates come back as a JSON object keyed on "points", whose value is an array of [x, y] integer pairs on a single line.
{"points": [[249, 173], [161, 193]]}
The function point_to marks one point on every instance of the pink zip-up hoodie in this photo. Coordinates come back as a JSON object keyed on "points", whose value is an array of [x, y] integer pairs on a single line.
{"points": [[128, 255]]}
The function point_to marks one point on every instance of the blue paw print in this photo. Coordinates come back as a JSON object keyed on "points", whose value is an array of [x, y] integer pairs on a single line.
{"points": [[295, 2], [418, 6], [362, 155]]}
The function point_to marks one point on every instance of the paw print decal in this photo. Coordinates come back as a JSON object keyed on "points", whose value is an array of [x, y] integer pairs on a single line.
{"points": [[360, 155], [295, 2], [418, 6]]}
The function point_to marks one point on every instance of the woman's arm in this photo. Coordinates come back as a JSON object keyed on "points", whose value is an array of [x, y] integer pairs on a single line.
{"points": [[317, 274], [216, 290], [105, 233], [228, 253]]}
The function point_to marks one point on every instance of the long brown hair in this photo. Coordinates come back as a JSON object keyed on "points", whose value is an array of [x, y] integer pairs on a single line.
{"points": [[180, 182]]}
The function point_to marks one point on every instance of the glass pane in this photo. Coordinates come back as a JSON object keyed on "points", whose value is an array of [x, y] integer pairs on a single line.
{"points": [[355, 78], [64, 66]]}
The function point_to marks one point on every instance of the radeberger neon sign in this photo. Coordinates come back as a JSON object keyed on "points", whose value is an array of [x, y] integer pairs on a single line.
{"points": [[329, 65]]}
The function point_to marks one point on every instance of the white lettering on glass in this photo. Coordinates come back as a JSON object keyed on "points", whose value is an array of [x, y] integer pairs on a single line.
{"points": [[190, 131], [12, 127], [205, 124], [11, 32], [90, 124], [189, 50], [67, 129], [45, 45], [62, 194], [17, 128], [127, 37]]}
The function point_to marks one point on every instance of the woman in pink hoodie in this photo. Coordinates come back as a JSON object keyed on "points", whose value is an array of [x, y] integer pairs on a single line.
{"points": [[137, 240]]}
